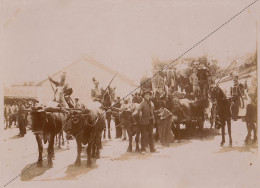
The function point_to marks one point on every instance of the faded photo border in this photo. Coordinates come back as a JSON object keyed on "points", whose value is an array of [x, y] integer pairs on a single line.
{"points": [[126, 39]]}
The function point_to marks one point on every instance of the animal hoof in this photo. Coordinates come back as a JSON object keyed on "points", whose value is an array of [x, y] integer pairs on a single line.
{"points": [[77, 163], [50, 165], [88, 165], [137, 150], [222, 143], [39, 164], [129, 150]]}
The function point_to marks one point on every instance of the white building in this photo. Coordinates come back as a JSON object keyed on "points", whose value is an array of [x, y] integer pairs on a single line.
{"points": [[79, 77]]}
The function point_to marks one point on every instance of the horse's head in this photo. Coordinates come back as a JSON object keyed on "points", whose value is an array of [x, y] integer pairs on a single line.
{"points": [[215, 93]]}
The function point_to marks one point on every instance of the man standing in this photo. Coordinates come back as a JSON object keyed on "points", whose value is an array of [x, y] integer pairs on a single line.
{"points": [[146, 112], [203, 74], [237, 93], [146, 83], [117, 122], [195, 83], [21, 119]]}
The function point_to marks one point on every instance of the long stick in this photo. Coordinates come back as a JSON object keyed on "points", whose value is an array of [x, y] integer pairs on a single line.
{"points": [[110, 82], [51, 84]]}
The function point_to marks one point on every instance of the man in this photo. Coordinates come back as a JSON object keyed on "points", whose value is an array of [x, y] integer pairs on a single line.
{"points": [[77, 104], [195, 83], [203, 74], [14, 114], [139, 98], [117, 122], [135, 98], [21, 119], [6, 115], [158, 81], [147, 121], [96, 93], [67, 91], [146, 83], [171, 78], [237, 93], [127, 106]]}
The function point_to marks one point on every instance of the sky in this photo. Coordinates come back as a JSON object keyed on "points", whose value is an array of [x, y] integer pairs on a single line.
{"points": [[41, 37]]}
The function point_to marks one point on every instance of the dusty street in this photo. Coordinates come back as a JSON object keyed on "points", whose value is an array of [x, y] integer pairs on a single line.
{"points": [[195, 162]]}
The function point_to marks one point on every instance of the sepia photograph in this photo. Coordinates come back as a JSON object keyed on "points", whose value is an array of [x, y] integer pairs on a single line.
{"points": [[129, 93]]}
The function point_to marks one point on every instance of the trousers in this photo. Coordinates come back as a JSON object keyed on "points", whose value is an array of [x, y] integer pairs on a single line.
{"points": [[147, 131]]}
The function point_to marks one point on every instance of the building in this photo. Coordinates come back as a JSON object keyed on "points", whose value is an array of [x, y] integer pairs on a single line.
{"points": [[79, 77]]}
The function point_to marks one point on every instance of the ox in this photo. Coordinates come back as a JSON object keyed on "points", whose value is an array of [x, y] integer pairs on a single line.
{"points": [[130, 120], [46, 125], [86, 126]]}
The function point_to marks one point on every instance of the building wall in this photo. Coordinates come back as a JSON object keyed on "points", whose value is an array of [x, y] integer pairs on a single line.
{"points": [[21, 91], [79, 77]]}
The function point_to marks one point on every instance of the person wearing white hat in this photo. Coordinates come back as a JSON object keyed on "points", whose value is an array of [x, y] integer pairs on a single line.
{"points": [[96, 92]]}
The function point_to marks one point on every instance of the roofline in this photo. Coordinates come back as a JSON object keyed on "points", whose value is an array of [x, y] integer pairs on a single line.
{"points": [[58, 72], [99, 65], [104, 67]]}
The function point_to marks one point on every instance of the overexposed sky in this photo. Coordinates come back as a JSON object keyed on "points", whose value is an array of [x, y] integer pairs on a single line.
{"points": [[40, 37]]}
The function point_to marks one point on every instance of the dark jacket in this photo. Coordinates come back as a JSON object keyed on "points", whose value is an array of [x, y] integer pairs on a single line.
{"points": [[146, 109]]}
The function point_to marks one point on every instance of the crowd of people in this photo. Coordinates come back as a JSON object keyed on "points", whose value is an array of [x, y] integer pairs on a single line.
{"points": [[15, 114], [171, 83]]}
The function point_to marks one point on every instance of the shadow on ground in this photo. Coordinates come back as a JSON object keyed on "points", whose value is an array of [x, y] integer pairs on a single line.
{"points": [[252, 147], [75, 172], [204, 134]]}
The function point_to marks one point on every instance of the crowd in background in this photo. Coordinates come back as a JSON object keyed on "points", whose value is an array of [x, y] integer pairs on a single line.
{"points": [[15, 114]]}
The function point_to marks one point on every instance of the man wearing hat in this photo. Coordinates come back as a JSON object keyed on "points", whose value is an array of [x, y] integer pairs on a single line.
{"points": [[203, 74], [117, 122], [62, 80], [146, 83], [147, 121], [67, 91], [237, 93], [96, 93]]}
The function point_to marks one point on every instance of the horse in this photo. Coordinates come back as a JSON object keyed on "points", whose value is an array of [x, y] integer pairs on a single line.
{"points": [[249, 112], [86, 126], [251, 122], [130, 121], [108, 98], [222, 111]]}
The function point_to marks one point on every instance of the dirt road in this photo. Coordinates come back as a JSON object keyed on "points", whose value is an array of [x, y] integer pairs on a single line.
{"points": [[195, 162]]}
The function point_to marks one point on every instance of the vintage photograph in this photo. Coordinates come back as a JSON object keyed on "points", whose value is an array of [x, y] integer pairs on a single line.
{"points": [[129, 93]]}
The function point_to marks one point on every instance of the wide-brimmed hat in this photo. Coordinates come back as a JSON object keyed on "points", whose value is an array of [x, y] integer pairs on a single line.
{"points": [[147, 91]]}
